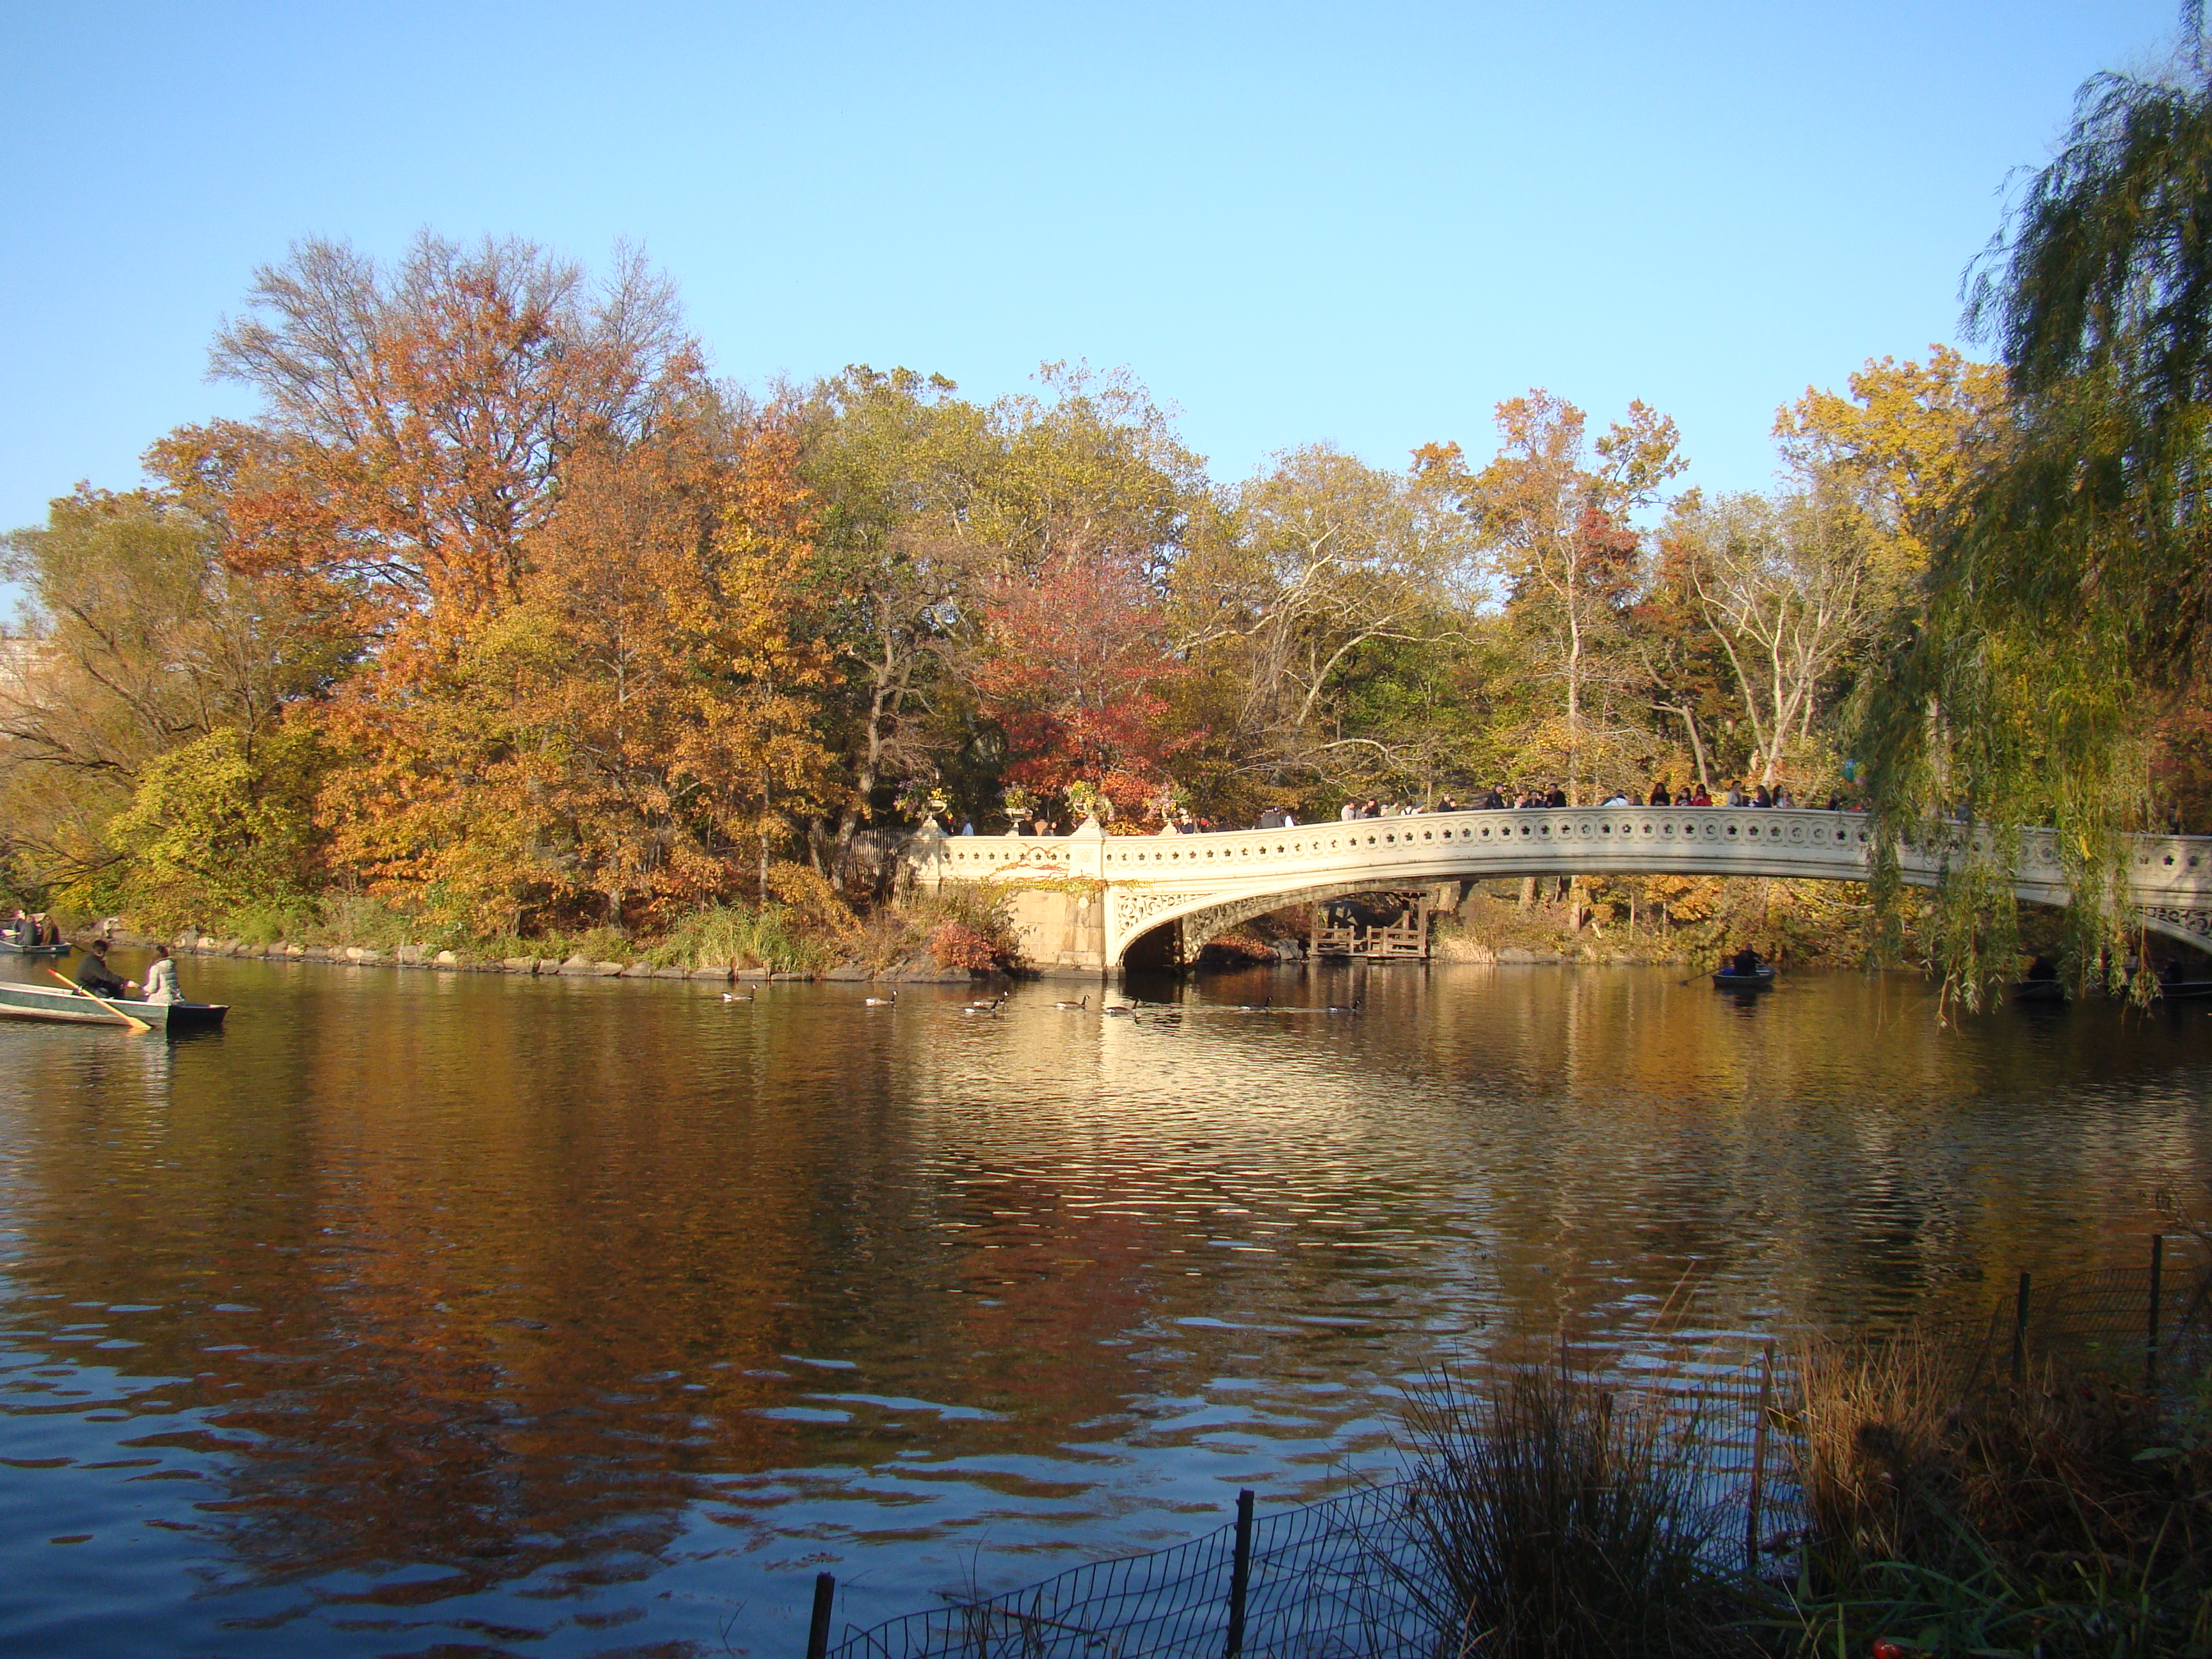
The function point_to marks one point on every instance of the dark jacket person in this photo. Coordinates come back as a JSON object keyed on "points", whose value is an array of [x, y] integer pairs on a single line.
{"points": [[92, 974]]}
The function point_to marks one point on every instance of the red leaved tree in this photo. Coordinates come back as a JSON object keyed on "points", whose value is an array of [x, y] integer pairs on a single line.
{"points": [[1075, 674]]}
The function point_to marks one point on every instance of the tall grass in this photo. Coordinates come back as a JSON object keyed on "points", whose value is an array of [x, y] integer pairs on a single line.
{"points": [[1552, 1518], [775, 937], [2061, 1515], [772, 936], [804, 927]]}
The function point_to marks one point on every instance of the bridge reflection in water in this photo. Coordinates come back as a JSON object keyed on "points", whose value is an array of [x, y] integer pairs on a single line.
{"points": [[1090, 897]]}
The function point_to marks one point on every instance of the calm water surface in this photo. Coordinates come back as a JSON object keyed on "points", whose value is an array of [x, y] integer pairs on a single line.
{"points": [[435, 1314]]}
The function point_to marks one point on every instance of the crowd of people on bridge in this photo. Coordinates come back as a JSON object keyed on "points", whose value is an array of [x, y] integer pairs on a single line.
{"points": [[1499, 798]]}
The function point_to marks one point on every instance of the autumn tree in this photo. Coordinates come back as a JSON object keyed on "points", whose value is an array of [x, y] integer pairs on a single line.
{"points": [[629, 737], [897, 463], [1787, 584], [420, 413], [1897, 449], [144, 644], [1687, 676], [1320, 605], [1086, 511], [1554, 510]]}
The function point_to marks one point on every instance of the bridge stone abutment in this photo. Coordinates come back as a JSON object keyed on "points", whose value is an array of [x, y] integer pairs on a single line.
{"points": [[1081, 900]]}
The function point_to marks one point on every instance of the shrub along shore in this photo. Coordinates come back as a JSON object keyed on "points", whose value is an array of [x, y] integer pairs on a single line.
{"points": [[576, 965]]}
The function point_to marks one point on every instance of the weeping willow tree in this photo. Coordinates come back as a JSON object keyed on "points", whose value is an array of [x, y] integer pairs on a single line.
{"points": [[2069, 602]]}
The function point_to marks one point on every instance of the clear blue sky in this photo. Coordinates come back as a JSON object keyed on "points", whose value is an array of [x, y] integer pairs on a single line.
{"points": [[1364, 223]]}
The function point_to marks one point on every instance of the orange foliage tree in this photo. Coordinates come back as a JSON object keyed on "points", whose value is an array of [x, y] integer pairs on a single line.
{"points": [[622, 740], [571, 566]]}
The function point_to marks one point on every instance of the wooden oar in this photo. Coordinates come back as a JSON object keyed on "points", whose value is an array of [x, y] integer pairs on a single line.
{"points": [[134, 1025]]}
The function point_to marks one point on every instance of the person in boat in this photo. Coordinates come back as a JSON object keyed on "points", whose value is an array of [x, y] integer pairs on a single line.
{"points": [[94, 974], [22, 931], [49, 931], [2042, 971], [2169, 971], [1744, 963], [162, 977]]}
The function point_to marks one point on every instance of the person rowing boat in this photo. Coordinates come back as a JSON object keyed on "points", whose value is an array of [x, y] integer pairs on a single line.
{"points": [[1745, 970], [94, 975]]}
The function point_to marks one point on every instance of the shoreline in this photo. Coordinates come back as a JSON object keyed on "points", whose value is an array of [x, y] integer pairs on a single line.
{"points": [[422, 958]]}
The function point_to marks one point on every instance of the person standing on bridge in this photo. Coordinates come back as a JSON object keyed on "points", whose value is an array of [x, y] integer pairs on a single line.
{"points": [[1660, 797]]}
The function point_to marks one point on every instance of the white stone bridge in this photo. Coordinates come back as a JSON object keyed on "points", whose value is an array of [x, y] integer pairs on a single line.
{"points": [[1083, 900]]}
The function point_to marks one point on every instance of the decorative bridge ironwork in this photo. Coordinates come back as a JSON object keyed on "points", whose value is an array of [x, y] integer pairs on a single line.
{"points": [[1129, 885]]}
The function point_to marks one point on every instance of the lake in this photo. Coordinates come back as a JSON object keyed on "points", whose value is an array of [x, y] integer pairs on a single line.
{"points": [[428, 1313]]}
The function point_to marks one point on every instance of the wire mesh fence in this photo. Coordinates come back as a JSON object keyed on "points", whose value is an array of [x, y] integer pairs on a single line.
{"points": [[1315, 1582], [1340, 1577]]}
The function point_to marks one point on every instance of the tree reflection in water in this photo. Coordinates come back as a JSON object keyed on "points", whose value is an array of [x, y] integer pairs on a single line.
{"points": [[457, 1310]]}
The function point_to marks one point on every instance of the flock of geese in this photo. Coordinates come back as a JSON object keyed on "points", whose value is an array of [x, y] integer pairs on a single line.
{"points": [[989, 1009]]}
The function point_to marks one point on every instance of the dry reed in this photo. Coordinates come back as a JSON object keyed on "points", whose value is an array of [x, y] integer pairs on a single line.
{"points": [[1553, 1518]]}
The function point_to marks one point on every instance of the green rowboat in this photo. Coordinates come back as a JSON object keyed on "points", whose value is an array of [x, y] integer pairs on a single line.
{"points": [[75, 1008]]}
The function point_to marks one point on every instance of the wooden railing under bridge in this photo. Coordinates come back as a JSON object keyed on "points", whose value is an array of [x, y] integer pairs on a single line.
{"points": [[1115, 889]]}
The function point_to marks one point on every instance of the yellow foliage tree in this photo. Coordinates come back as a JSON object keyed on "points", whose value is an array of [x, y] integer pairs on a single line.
{"points": [[1903, 446]]}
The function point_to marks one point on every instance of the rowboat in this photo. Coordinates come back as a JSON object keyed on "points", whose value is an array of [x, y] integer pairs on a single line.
{"points": [[9, 948], [2039, 990], [1759, 979], [2184, 990], [76, 1008]]}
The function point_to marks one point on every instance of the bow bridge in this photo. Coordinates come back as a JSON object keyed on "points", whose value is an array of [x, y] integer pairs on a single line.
{"points": [[1083, 900]]}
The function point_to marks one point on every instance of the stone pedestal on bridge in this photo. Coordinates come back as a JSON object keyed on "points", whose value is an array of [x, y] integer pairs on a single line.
{"points": [[1052, 887], [1060, 929]]}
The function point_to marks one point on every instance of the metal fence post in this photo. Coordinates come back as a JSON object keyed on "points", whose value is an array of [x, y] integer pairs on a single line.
{"points": [[2019, 1331], [1758, 1463], [1240, 1576], [2150, 1350], [817, 1632]]}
